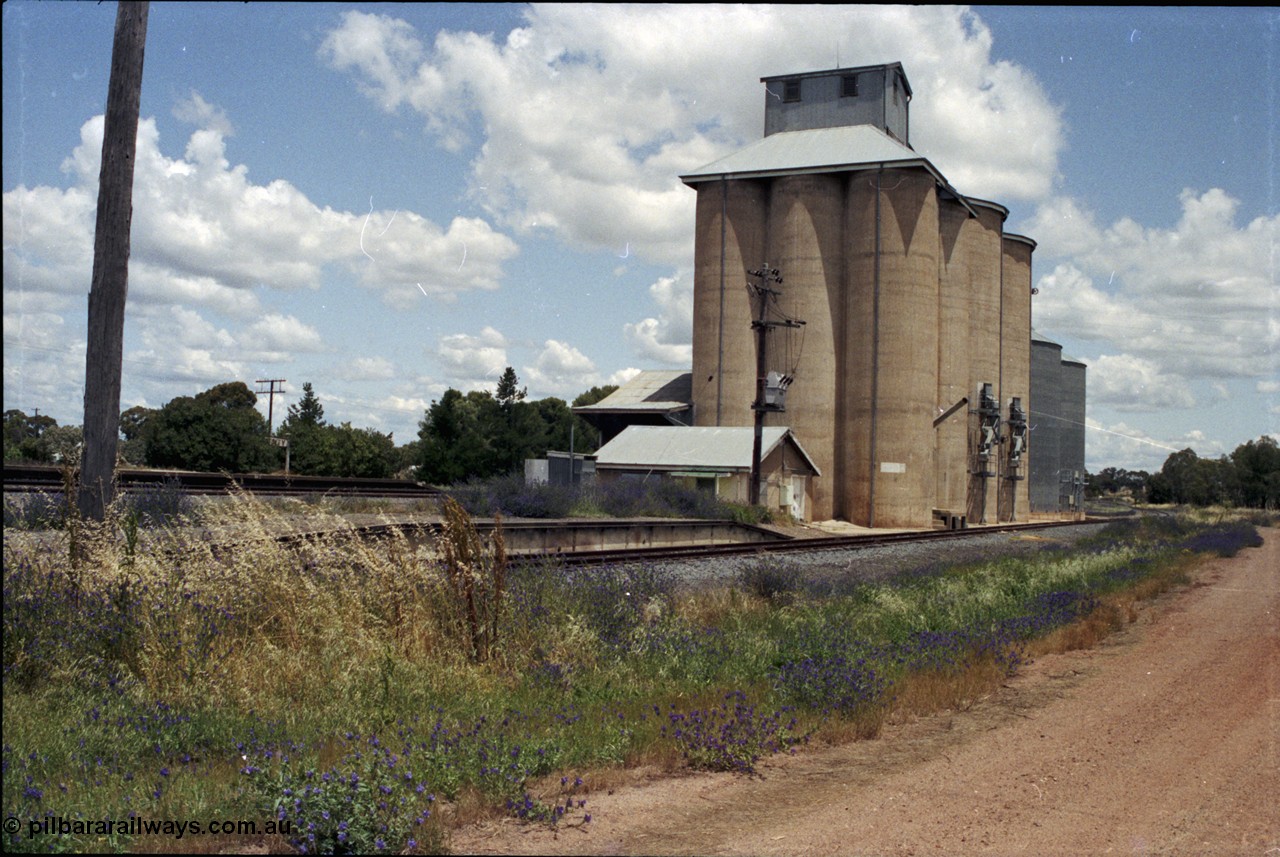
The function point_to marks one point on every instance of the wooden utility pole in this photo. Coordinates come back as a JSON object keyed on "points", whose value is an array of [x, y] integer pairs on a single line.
{"points": [[110, 282], [767, 399], [271, 400]]}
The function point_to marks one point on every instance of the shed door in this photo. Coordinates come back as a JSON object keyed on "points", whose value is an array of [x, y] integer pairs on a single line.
{"points": [[797, 497]]}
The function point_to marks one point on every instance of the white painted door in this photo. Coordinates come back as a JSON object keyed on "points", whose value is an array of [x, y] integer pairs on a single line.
{"points": [[797, 497]]}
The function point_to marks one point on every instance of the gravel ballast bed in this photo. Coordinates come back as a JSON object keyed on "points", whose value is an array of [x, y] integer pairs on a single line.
{"points": [[848, 565]]}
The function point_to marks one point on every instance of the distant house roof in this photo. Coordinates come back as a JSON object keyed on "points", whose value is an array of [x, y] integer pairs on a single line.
{"points": [[652, 391], [688, 448]]}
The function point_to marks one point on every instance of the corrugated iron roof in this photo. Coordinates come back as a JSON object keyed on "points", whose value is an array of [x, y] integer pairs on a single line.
{"points": [[650, 391], [1037, 337], [692, 448], [823, 150], [815, 150]]}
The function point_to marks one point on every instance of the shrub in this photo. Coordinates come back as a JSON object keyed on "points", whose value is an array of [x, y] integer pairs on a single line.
{"points": [[620, 498], [731, 736], [772, 579], [511, 496], [159, 504], [36, 511]]}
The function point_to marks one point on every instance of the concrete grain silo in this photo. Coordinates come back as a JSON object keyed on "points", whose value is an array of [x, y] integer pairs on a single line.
{"points": [[729, 241], [806, 223], [1015, 373], [986, 231], [892, 295], [955, 226], [915, 305]]}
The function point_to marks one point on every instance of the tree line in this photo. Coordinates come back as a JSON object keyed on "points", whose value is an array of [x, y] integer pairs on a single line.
{"points": [[1249, 477], [485, 433], [461, 436]]}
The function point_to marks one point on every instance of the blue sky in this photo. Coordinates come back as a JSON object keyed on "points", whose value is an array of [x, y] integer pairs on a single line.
{"points": [[391, 200]]}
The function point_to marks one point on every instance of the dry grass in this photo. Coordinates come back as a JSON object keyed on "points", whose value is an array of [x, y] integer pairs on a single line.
{"points": [[333, 633], [713, 606], [930, 691]]}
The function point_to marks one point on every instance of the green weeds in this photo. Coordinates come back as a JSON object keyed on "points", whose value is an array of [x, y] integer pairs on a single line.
{"points": [[373, 694]]}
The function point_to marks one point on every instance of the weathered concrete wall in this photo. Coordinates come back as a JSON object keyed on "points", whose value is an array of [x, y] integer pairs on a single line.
{"points": [[951, 436], [1015, 365], [805, 242], [729, 241]]}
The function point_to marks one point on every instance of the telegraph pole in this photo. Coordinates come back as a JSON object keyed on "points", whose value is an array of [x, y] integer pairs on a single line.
{"points": [[271, 400], [768, 398], [110, 280]]}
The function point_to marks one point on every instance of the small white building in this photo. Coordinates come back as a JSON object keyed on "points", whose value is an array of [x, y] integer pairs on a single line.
{"points": [[717, 459]]}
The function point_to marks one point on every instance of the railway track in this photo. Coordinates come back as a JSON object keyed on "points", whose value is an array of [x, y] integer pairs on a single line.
{"points": [[784, 546], [29, 478]]}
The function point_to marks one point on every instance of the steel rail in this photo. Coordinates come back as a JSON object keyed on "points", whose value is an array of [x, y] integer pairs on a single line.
{"points": [[793, 545], [432, 529], [28, 478]]}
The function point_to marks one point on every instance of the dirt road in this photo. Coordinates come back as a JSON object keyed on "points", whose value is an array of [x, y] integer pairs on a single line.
{"points": [[1164, 740]]}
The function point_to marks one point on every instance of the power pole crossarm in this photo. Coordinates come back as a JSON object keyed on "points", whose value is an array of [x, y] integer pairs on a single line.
{"points": [[271, 399], [110, 283], [762, 326]]}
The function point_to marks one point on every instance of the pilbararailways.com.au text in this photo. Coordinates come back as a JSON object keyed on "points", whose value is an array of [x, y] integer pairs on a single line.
{"points": [[139, 826]]}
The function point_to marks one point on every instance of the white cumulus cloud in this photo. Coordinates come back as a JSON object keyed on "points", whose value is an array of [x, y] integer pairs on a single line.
{"points": [[589, 113], [473, 362], [561, 370], [1194, 301], [667, 338]]}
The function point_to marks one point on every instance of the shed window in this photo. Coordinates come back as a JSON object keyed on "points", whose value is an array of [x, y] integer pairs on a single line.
{"points": [[849, 86], [791, 90]]}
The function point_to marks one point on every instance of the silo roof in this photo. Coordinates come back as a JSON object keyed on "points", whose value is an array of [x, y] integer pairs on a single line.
{"points": [[849, 147], [688, 447], [1036, 337], [819, 150]]}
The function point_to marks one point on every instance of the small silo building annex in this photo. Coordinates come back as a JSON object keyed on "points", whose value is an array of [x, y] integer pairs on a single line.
{"points": [[1057, 430], [910, 378]]}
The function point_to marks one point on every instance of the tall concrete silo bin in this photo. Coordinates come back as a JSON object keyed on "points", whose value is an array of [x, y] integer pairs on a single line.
{"points": [[1015, 369], [985, 263], [730, 241], [951, 437], [892, 314], [805, 241]]}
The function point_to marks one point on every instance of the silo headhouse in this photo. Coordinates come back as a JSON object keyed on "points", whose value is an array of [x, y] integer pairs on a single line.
{"points": [[906, 348]]}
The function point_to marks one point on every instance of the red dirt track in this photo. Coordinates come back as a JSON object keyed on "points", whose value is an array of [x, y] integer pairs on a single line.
{"points": [[1163, 740]]}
